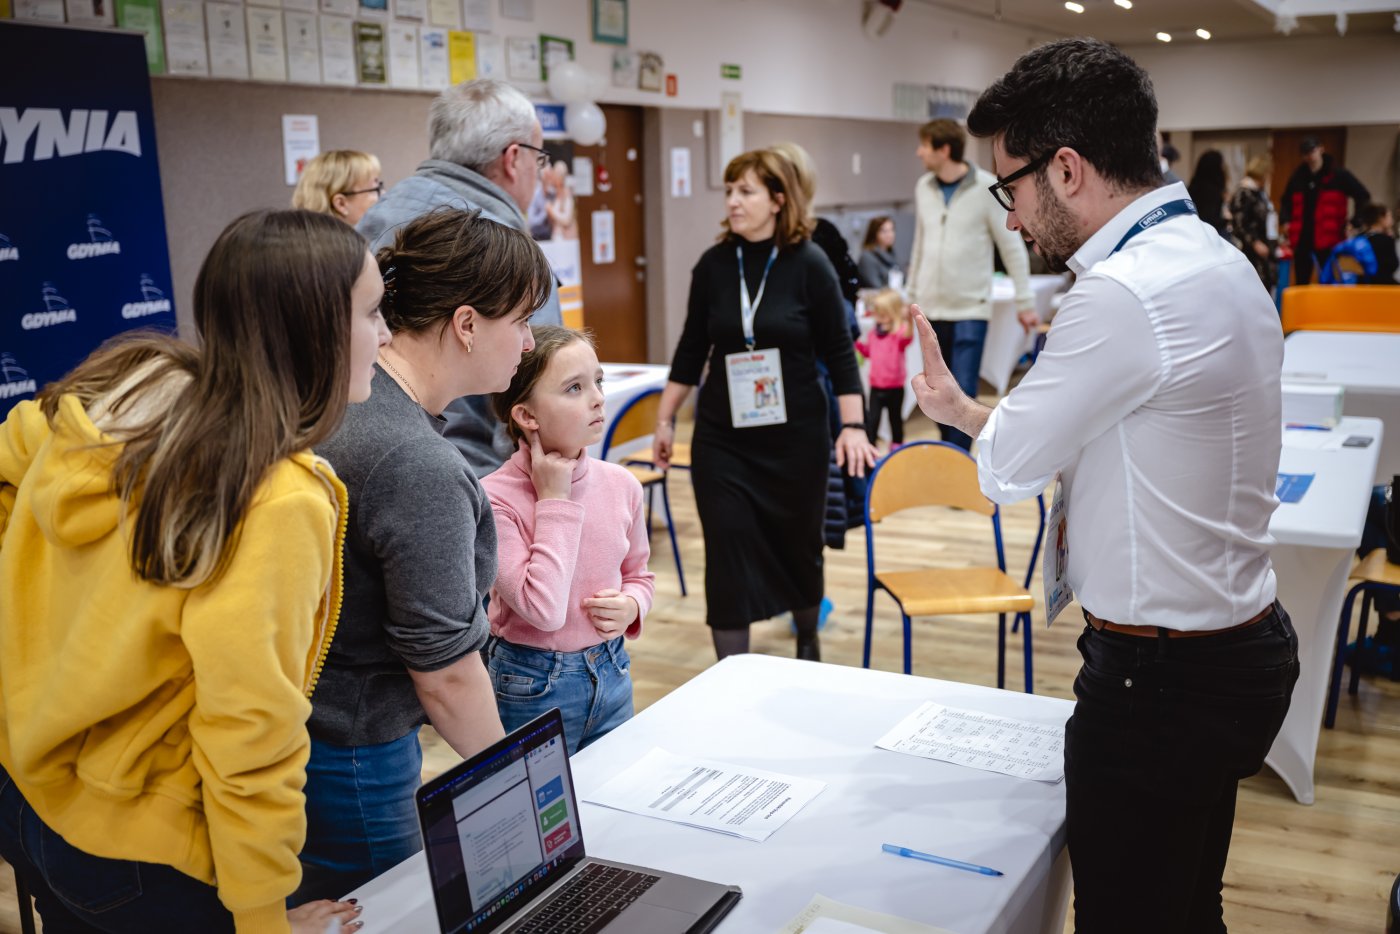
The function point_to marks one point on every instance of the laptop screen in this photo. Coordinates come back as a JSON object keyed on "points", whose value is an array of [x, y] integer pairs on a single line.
{"points": [[501, 827]]}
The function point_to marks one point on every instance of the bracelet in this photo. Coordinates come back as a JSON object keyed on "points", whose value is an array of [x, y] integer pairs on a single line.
{"points": [[859, 426]]}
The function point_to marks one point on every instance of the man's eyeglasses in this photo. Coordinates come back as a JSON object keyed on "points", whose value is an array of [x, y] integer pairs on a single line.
{"points": [[378, 189], [542, 157], [1002, 189]]}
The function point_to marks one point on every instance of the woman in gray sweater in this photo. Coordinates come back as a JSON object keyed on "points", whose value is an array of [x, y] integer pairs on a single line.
{"points": [[420, 552]]}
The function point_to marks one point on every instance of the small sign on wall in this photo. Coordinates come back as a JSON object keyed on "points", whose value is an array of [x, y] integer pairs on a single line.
{"points": [[671, 88], [604, 238], [680, 172], [301, 141]]}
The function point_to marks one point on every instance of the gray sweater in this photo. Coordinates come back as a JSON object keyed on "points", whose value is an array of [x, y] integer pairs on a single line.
{"points": [[470, 423], [420, 556]]}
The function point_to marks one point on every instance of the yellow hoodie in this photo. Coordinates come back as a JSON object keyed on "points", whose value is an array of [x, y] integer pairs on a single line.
{"points": [[154, 723]]}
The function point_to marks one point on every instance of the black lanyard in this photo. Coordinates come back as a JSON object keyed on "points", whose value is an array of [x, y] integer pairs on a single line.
{"points": [[1155, 216]]}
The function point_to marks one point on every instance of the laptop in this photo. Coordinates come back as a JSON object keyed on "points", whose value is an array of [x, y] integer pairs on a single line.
{"points": [[505, 852]]}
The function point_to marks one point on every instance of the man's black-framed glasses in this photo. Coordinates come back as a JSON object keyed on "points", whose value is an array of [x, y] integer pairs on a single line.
{"points": [[1002, 189], [541, 157], [377, 189]]}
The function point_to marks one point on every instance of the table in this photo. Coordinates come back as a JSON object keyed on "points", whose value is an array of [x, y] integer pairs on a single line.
{"points": [[822, 721], [1367, 366], [1316, 539], [621, 383], [1007, 342]]}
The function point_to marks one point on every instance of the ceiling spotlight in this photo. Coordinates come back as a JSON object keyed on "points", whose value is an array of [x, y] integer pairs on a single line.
{"points": [[1285, 23], [1074, 7], [1164, 36], [1203, 33], [1125, 4]]}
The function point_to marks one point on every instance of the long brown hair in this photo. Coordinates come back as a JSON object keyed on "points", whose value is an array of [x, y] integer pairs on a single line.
{"points": [[872, 231], [549, 340], [774, 172], [202, 426], [449, 258]]}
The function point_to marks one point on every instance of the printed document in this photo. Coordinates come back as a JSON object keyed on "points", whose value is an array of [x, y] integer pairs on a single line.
{"points": [[710, 795], [1019, 748], [827, 916]]}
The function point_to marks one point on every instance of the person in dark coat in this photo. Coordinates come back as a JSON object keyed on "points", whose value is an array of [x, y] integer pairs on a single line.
{"points": [[1209, 187], [1313, 209]]}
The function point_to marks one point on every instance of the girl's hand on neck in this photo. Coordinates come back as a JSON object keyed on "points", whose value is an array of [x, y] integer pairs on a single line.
{"points": [[550, 472]]}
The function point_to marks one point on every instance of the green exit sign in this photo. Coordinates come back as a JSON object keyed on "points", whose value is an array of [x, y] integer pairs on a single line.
{"points": [[731, 71]]}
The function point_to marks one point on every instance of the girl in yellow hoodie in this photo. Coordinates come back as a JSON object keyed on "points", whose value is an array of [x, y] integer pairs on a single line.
{"points": [[170, 564]]}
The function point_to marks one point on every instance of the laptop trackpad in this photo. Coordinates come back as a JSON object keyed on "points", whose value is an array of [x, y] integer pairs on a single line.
{"points": [[646, 918]]}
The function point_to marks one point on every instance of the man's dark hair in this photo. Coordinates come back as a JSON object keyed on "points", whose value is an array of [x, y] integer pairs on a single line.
{"points": [[1080, 93], [1369, 215], [944, 132]]}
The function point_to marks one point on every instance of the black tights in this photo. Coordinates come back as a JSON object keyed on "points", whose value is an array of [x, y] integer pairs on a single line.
{"points": [[736, 641]]}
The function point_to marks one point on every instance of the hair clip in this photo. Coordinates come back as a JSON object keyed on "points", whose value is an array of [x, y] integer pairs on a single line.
{"points": [[389, 275]]}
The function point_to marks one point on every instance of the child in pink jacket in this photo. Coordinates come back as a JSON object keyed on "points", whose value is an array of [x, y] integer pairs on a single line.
{"points": [[884, 346], [572, 549]]}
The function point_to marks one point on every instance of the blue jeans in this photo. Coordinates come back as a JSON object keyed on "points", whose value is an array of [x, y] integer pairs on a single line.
{"points": [[962, 343], [592, 688], [1163, 732], [78, 893], [360, 816]]}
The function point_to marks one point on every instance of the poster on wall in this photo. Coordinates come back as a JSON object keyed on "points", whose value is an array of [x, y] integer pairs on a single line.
{"points": [[81, 258]]}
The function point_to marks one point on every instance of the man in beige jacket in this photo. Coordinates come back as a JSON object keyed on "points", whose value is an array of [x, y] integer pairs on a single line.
{"points": [[950, 268]]}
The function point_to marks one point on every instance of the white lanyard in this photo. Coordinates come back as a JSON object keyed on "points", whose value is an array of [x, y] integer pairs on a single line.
{"points": [[748, 308]]}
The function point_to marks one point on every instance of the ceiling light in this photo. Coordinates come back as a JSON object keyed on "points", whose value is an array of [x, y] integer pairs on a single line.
{"points": [[1074, 7], [1203, 33], [1164, 36], [1125, 4]]}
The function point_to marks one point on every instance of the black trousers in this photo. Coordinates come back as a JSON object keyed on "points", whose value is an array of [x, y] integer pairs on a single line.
{"points": [[887, 400], [1162, 733]]}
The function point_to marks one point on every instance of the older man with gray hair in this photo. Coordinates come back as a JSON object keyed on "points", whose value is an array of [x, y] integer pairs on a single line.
{"points": [[485, 154]]}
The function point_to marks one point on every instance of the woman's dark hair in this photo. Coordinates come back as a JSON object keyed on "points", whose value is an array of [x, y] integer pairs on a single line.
{"points": [[449, 258], [872, 231], [200, 427], [1080, 93], [549, 340], [1209, 177]]}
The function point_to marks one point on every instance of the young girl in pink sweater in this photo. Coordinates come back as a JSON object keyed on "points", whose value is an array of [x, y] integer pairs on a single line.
{"points": [[572, 549], [884, 346]]}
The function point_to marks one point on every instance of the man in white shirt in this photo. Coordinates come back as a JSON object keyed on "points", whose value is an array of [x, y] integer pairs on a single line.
{"points": [[950, 268], [1156, 401]]}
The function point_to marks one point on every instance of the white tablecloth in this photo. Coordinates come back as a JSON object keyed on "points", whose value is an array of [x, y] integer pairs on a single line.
{"points": [[1367, 366], [1316, 539], [822, 721]]}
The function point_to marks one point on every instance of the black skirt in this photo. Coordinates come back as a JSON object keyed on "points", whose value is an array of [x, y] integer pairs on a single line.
{"points": [[761, 496]]}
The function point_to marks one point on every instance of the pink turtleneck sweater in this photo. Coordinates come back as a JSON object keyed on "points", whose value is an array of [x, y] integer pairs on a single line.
{"points": [[555, 553]]}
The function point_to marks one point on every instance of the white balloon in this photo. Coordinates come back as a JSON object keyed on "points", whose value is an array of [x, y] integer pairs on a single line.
{"points": [[570, 83], [585, 124]]}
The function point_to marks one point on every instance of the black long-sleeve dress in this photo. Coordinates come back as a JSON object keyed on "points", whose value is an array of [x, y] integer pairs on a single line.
{"points": [[761, 491]]}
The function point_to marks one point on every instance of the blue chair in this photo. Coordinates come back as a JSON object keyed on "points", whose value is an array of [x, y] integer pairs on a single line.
{"points": [[637, 419], [934, 473], [1375, 574]]}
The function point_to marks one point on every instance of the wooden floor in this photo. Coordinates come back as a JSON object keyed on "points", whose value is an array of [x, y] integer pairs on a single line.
{"points": [[1323, 868]]}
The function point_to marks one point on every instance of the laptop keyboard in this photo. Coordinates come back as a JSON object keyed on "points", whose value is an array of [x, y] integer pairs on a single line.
{"points": [[589, 901]]}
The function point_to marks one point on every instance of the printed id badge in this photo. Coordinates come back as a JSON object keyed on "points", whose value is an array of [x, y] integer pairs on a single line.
{"points": [[756, 388], [1055, 564]]}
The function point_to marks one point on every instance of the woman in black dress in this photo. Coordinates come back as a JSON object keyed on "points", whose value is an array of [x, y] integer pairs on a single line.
{"points": [[761, 489]]}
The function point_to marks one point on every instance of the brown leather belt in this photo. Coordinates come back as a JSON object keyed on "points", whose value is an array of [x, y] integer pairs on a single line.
{"points": [[1153, 631]]}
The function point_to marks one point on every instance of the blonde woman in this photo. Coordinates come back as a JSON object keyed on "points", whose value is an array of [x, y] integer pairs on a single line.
{"points": [[343, 183]]}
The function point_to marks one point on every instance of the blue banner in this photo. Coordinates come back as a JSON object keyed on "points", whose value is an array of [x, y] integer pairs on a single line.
{"points": [[83, 254]]}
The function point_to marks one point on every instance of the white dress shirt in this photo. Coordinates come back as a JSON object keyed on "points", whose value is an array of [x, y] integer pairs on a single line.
{"points": [[1157, 400]]}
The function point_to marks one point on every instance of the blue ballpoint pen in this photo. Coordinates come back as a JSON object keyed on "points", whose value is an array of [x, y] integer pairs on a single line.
{"points": [[940, 860]]}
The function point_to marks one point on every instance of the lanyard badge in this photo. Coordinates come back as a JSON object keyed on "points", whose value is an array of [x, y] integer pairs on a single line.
{"points": [[755, 377]]}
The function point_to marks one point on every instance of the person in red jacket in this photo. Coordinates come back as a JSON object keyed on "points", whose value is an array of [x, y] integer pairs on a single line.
{"points": [[1314, 207]]}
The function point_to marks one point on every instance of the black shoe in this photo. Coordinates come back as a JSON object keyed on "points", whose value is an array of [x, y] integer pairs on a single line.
{"points": [[809, 650]]}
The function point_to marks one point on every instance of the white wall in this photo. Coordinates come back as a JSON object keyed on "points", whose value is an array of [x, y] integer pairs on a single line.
{"points": [[806, 57], [1275, 83]]}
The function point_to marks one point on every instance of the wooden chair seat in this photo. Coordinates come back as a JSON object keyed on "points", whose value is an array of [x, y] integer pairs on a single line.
{"points": [[1375, 569], [645, 475], [950, 591], [680, 456]]}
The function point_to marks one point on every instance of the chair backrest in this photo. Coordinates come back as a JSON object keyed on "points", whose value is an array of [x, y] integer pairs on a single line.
{"points": [[1338, 308], [925, 473], [636, 419]]}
